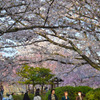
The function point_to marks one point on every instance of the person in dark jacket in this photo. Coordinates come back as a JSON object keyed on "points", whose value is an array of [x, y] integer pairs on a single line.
{"points": [[80, 96], [0, 97], [65, 97], [52, 96], [1, 92], [37, 95], [26, 97]]}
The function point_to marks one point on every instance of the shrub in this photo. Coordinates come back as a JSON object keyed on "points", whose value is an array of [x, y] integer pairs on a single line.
{"points": [[72, 91], [83, 89], [93, 95], [20, 97], [31, 96]]}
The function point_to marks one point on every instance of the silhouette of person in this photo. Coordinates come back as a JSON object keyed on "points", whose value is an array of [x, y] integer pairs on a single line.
{"points": [[26, 97]]}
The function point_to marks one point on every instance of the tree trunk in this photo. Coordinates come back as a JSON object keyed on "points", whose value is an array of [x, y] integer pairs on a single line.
{"points": [[33, 89], [42, 89]]}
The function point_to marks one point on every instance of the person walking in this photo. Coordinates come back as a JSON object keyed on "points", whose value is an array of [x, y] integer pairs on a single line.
{"points": [[80, 96], [65, 97], [11, 96], [52, 96], [37, 95], [1, 91], [0, 97], [26, 97]]}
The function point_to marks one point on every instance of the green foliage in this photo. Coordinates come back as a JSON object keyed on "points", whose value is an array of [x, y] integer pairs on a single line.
{"points": [[43, 97], [83, 89], [34, 76], [93, 95], [90, 93], [20, 97], [44, 75], [72, 91], [31, 96]]}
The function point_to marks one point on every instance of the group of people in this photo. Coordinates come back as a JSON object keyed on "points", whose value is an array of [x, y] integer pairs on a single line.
{"points": [[10, 96], [53, 96], [36, 97]]}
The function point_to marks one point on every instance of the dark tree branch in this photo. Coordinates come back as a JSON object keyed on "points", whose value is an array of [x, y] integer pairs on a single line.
{"points": [[48, 12], [24, 44], [50, 59]]}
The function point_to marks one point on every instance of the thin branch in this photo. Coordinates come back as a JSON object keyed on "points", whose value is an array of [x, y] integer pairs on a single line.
{"points": [[48, 12], [24, 44], [18, 5]]}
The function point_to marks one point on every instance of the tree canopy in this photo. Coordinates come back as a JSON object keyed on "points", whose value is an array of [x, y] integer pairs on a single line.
{"points": [[66, 32], [34, 76]]}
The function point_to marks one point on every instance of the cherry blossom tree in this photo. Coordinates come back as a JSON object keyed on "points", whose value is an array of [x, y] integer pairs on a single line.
{"points": [[66, 32]]}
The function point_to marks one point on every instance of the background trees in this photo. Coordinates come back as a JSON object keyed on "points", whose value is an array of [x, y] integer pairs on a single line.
{"points": [[35, 76]]}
